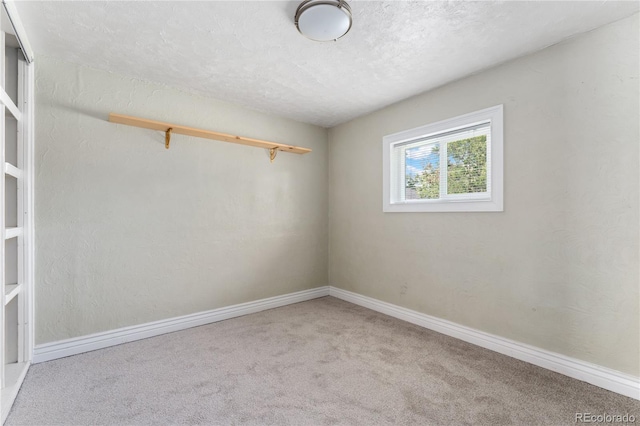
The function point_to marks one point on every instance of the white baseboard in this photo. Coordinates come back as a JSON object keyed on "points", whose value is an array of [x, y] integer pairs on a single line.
{"points": [[603, 377], [78, 345]]}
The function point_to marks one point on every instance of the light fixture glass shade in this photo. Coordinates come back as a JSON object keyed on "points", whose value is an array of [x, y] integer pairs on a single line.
{"points": [[323, 20]]}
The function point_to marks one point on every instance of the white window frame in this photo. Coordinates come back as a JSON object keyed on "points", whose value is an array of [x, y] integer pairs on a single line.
{"points": [[493, 202]]}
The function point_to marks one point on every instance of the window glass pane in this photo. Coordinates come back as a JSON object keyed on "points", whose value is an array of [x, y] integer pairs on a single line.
{"points": [[422, 172], [467, 166]]}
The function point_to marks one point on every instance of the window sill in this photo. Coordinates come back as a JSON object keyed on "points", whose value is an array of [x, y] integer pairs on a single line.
{"points": [[442, 207]]}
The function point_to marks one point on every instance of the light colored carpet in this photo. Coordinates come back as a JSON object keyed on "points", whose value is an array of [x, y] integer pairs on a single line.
{"points": [[319, 362]]}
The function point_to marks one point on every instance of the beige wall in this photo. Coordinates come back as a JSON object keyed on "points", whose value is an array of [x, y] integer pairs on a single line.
{"points": [[128, 232], [558, 269]]}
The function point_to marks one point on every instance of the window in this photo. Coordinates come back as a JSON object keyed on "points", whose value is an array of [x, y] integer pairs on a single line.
{"points": [[453, 165]]}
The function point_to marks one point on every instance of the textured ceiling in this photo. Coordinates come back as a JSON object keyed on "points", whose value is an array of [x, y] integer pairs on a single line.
{"points": [[249, 52]]}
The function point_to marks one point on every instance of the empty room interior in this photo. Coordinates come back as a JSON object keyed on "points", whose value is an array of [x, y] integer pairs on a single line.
{"points": [[320, 212]]}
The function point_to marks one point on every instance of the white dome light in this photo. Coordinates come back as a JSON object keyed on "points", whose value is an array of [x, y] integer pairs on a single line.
{"points": [[323, 20]]}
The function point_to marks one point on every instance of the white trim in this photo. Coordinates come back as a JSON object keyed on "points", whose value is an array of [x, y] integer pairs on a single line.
{"points": [[16, 373], [11, 291], [495, 115], [21, 34], [12, 170], [12, 232], [594, 374], [8, 103], [28, 128], [20, 292], [78, 345], [603, 377]]}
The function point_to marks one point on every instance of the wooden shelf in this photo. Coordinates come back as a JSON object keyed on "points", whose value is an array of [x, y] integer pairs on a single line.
{"points": [[199, 133], [12, 233]]}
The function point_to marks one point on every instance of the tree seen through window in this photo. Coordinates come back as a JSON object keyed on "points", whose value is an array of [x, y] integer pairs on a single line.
{"points": [[466, 168]]}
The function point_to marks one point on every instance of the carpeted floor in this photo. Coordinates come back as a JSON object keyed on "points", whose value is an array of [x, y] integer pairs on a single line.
{"points": [[319, 362]]}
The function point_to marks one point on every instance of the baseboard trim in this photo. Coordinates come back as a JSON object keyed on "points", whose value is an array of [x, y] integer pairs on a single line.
{"points": [[603, 377], [92, 342]]}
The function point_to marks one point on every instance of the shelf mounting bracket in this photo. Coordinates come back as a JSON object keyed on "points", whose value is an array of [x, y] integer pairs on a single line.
{"points": [[167, 137]]}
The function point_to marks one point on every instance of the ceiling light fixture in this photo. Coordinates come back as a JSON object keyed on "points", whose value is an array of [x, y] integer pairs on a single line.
{"points": [[323, 20]]}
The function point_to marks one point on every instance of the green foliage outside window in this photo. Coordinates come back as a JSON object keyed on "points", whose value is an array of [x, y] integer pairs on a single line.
{"points": [[467, 166], [466, 170]]}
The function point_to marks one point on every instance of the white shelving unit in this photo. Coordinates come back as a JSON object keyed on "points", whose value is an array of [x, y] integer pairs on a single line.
{"points": [[16, 217]]}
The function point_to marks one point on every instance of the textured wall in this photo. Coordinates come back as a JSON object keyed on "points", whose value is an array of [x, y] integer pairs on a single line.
{"points": [[557, 269], [128, 232]]}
